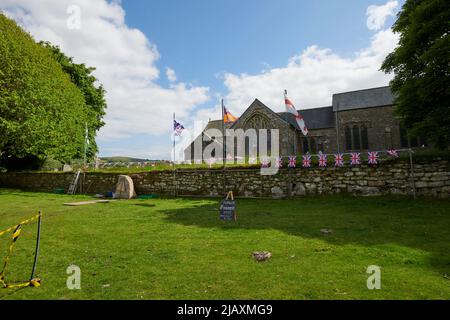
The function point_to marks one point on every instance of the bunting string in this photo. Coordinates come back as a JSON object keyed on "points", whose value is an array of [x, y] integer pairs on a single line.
{"points": [[323, 159]]}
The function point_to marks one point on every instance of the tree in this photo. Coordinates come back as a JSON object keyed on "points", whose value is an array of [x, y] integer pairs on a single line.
{"points": [[421, 65], [42, 113], [94, 95]]}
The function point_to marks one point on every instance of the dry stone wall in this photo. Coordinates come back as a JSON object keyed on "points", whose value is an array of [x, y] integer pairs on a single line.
{"points": [[430, 179]]}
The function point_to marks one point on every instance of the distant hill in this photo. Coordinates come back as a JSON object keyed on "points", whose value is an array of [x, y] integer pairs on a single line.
{"points": [[124, 159]]}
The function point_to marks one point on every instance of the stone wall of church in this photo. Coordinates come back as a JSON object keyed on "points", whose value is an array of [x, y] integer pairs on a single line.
{"points": [[323, 140], [430, 179], [381, 122]]}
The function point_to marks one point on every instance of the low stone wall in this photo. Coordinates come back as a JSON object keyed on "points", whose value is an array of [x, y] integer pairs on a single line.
{"points": [[431, 179]]}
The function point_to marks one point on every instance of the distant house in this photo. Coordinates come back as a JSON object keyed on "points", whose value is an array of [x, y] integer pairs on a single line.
{"points": [[357, 121]]}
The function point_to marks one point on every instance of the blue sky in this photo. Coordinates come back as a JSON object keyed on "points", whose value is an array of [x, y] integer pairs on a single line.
{"points": [[202, 38], [159, 57]]}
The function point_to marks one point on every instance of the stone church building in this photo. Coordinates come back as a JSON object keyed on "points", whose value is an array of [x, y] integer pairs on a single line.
{"points": [[356, 121]]}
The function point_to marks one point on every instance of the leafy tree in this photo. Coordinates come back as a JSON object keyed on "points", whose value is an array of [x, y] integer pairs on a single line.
{"points": [[42, 113], [94, 95], [421, 64]]}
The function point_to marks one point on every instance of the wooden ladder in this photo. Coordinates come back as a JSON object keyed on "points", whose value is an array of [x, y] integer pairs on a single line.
{"points": [[74, 183]]}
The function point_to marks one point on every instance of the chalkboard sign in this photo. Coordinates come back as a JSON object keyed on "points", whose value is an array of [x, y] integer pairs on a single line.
{"points": [[228, 208]]}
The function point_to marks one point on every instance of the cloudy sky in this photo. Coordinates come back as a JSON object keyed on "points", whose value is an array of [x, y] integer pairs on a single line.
{"points": [[159, 57]]}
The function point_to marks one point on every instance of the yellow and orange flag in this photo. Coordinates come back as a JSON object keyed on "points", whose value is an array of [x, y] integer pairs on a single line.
{"points": [[228, 117]]}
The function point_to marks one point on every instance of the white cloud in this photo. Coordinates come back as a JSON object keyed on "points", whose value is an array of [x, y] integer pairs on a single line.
{"points": [[124, 58], [377, 15], [126, 65], [310, 78], [171, 75]]}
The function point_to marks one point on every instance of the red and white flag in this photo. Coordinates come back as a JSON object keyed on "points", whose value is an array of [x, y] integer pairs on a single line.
{"points": [[291, 109]]}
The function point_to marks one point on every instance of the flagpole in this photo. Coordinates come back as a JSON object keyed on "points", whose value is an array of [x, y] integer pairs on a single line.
{"points": [[289, 188], [286, 119], [85, 155], [223, 145], [223, 134], [85, 143], [173, 138], [173, 147]]}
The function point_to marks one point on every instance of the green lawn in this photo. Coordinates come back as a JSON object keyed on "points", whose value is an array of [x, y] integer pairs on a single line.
{"points": [[179, 249]]}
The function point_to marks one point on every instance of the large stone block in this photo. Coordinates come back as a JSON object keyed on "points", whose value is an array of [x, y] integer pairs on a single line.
{"points": [[299, 189], [277, 192]]}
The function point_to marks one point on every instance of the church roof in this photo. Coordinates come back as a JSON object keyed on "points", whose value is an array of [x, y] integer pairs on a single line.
{"points": [[317, 118], [323, 117], [217, 124], [367, 98]]}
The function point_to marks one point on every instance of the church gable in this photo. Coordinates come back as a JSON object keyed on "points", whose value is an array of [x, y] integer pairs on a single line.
{"points": [[259, 116]]}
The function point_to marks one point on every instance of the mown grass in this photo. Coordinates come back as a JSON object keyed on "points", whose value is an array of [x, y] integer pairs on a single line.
{"points": [[179, 249]]}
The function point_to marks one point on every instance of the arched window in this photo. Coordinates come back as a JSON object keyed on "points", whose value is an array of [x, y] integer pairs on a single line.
{"points": [[364, 138], [269, 142], [312, 145], [403, 137], [247, 145], [348, 138], [305, 145], [356, 138], [320, 146]]}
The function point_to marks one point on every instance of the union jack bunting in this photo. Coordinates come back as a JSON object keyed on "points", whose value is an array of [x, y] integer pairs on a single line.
{"points": [[322, 160], [292, 162], [211, 161], [338, 160], [355, 159], [279, 162], [393, 153], [265, 162], [306, 161], [373, 157]]}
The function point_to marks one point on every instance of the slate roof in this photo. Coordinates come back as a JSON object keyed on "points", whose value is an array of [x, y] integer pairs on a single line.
{"points": [[374, 97], [212, 124], [216, 124], [317, 118]]}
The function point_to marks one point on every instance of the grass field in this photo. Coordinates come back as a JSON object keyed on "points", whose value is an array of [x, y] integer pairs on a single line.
{"points": [[179, 249]]}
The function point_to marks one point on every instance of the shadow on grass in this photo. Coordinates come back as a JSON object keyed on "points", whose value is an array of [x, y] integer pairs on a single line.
{"points": [[148, 205], [422, 224]]}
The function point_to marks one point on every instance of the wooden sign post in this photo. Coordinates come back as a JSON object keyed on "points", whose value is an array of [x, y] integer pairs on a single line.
{"points": [[228, 208]]}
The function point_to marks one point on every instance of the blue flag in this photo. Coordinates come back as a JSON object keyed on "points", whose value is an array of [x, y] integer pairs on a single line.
{"points": [[177, 128]]}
